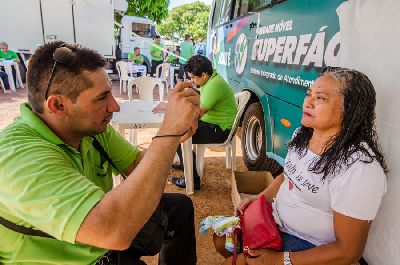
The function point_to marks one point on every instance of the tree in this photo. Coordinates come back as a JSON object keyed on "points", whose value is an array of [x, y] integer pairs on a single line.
{"points": [[155, 10], [189, 19]]}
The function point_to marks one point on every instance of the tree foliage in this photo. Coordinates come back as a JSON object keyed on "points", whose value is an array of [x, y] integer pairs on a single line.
{"points": [[155, 10], [189, 19]]}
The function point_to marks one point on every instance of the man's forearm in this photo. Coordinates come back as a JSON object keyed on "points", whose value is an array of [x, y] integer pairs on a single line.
{"points": [[123, 211]]}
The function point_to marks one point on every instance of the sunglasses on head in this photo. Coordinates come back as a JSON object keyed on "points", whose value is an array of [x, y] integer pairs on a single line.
{"points": [[61, 55]]}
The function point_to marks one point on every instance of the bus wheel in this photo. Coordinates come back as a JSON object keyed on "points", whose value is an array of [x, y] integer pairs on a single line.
{"points": [[254, 142]]}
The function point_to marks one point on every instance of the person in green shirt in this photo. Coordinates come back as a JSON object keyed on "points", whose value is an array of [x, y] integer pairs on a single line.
{"points": [[173, 59], [156, 54], [136, 57], [54, 179], [7, 54], [187, 50], [217, 109]]}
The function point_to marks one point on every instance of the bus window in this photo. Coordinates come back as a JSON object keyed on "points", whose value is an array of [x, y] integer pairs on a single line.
{"points": [[242, 7], [226, 12], [217, 13]]}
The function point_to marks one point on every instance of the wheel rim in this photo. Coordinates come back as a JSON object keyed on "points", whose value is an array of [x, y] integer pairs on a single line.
{"points": [[253, 139]]}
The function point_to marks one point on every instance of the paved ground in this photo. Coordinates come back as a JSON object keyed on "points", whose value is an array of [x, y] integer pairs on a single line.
{"points": [[212, 199]]}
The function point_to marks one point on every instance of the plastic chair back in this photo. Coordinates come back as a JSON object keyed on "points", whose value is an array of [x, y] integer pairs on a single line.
{"points": [[145, 86], [122, 68], [162, 71], [241, 100]]}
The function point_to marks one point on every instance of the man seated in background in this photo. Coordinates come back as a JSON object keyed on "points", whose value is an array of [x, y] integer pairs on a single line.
{"points": [[7, 54], [174, 59], [136, 58], [217, 109]]}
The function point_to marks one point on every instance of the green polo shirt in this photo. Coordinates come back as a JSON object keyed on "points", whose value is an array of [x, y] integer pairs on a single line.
{"points": [[45, 184], [156, 53], [137, 59], [187, 51], [217, 97], [9, 56]]}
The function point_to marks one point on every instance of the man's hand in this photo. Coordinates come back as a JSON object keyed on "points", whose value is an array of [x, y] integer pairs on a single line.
{"points": [[162, 106], [192, 130], [182, 111], [263, 257]]}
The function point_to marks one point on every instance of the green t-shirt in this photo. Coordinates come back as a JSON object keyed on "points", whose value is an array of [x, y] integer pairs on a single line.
{"points": [[156, 53], [173, 60], [9, 56], [45, 184], [217, 97], [137, 59], [187, 51]]}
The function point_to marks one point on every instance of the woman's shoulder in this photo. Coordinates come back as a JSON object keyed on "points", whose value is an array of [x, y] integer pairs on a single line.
{"points": [[362, 164]]}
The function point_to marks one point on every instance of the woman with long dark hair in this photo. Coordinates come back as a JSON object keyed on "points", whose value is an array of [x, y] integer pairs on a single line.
{"points": [[334, 177]]}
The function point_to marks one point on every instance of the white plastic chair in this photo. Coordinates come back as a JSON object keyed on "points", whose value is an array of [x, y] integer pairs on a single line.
{"points": [[145, 86], [162, 72], [230, 144], [124, 78]]}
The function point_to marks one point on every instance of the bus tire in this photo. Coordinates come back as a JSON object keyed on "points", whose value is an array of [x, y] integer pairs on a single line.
{"points": [[254, 142]]}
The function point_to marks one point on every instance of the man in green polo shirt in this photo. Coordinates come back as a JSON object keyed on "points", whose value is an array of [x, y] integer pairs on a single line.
{"points": [[7, 54], [53, 179], [217, 109], [156, 54], [187, 51], [136, 57]]}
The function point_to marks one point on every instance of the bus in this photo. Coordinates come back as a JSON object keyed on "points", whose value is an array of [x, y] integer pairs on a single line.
{"points": [[276, 49]]}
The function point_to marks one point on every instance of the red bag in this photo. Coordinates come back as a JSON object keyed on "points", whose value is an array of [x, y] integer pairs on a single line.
{"points": [[259, 230]]}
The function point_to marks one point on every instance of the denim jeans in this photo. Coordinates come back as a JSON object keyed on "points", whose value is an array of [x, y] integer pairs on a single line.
{"points": [[293, 243]]}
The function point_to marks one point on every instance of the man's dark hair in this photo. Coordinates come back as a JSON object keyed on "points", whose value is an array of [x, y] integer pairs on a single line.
{"points": [[197, 65], [187, 37], [357, 139], [157, 37], [68, 80], [136, 48]]}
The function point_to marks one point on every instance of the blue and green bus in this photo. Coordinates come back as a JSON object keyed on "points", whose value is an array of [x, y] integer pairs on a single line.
{"points": [[275, 49]]}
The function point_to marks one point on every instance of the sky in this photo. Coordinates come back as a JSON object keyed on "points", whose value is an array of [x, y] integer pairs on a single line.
{"points": [[175, 3]]}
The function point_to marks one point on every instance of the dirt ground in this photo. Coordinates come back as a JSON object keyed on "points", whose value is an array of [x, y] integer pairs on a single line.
{"points": [[213, 198]]}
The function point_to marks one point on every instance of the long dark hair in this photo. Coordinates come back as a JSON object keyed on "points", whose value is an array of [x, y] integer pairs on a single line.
{"points": [[357, 139]]}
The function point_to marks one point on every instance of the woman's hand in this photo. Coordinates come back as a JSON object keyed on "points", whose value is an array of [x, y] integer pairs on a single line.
{"points": [[263, 257], [162, 106], [242, 205]]}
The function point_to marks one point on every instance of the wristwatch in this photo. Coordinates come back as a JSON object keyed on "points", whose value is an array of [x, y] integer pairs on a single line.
{"points": [[286, 258]]}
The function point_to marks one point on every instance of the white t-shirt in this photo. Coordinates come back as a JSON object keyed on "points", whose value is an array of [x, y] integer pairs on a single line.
{"points": [[305, 204]]}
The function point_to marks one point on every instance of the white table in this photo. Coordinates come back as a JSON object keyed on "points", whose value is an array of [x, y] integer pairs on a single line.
{"points": [[8, 64], [137, 115], [135, 68]]}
